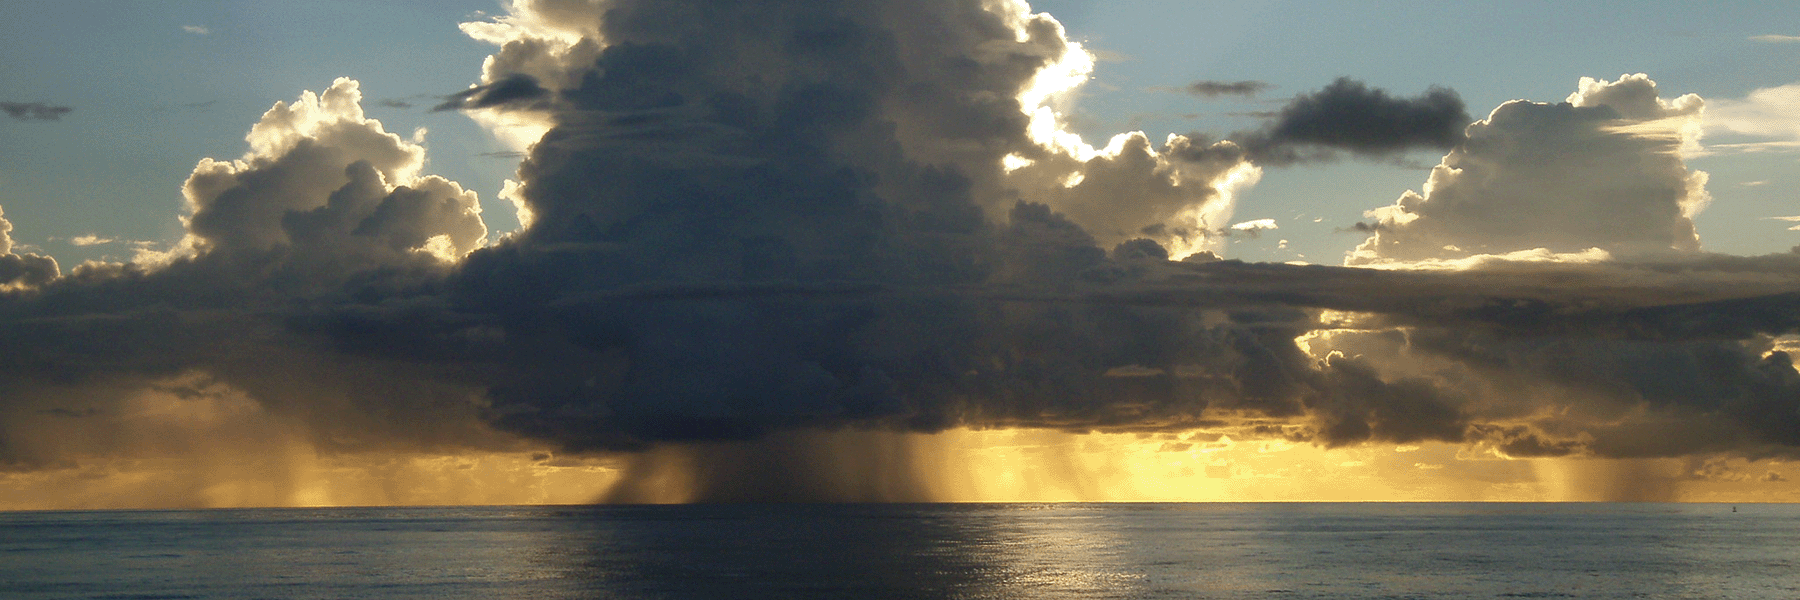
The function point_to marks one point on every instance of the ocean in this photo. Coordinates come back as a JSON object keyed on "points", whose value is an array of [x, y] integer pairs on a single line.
{"points": [[853, 551]]}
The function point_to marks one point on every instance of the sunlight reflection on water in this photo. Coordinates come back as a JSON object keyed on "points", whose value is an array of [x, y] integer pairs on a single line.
{"points": [[909, 551]]}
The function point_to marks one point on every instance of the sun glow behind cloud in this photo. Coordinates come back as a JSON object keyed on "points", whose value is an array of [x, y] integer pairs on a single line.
{"points": [[959, 465]]}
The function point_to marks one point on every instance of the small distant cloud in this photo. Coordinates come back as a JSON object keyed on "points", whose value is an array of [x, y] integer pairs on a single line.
{"points": [[90, 240], [503, 154], [1214, 89], [34, 111], [196, 29], [1773, 477], [1776, 39], [1794, 228], [1754, 183], [395, 103], [514, 89], [1256, 225]]}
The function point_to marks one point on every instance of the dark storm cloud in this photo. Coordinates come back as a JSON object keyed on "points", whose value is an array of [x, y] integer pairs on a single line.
{"points": [[1350, 116], [1214, 89], [34, 111]]}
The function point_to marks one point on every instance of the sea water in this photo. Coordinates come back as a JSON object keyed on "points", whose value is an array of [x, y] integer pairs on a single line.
{"points": [[1272, 551]]}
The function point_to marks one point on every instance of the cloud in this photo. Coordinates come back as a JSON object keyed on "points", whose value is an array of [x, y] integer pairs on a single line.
{"points": [[1775, 39], [1794, 228], [196, 29], [326, 210], [34, 111], [1765, 113], [90, 240], [514, 88], [21, 271], [1256, 225], [321, 180], [1214, 89], [750, 224], [1350, 116], [1601, 170]]}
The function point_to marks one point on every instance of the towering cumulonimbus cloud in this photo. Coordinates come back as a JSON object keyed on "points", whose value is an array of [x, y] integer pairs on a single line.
{"points": [[1601, 170], [752, 218], [902, 93]]}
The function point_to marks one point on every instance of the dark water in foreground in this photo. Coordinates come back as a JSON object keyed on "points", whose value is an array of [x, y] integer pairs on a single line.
{"points": [[1276, 551]]}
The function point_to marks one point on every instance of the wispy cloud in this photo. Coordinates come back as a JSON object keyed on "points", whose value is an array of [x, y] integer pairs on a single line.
{"points": [[90, 240], [1214, 89], [1256, 225], [196, 29], [1792, 219], [1776, 39], [34, 111], [1764, 113]]}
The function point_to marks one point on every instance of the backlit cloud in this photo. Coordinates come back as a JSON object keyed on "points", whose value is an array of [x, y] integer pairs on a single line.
{"points": [[90, 240], [1601, 170], [21, 271]]}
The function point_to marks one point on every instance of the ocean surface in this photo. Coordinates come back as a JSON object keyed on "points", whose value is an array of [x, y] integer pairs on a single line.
{"points": [[1086, 551]]}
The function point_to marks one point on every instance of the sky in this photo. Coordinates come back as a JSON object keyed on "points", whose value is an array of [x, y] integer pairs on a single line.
{"points": [[631, 250]]}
